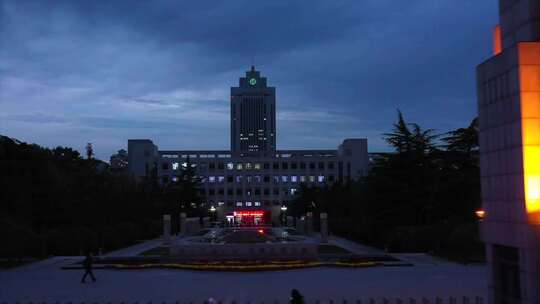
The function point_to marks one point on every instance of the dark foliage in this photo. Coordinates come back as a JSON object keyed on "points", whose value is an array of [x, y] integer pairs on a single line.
{"points": [[422, 197], [182, 195], [56, 202]]}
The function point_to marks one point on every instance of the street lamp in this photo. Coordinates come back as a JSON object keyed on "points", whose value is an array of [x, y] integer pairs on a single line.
{"points": [[213, 212], [480, 214], [283, 210]]}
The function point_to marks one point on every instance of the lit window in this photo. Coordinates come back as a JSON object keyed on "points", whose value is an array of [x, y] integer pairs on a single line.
{"points": [[320, 178], [312, 178], [257, 166], [175, 166], [257, 203], [302, 179], [248, 166], [238, 204], [175, 179], [248, 178], [276, 179], [221, 179], [230, 166], [248, 204], [212, 179], [239, 178], [294, 179], [220, 203], [238, 166], [258, 178], [284, 178]]}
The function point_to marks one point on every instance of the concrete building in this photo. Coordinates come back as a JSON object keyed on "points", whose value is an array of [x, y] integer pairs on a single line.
{"points": [[253, 116], [252, 181], [508, 87]]}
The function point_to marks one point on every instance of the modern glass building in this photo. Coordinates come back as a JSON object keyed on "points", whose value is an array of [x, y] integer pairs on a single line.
{"points": [[252, 181]]}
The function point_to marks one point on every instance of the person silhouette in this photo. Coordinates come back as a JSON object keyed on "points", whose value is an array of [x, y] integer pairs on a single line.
{"points": [[87, 263], [296, 297]]}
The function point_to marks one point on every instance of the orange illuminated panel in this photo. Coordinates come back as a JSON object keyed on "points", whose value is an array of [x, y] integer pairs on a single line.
{"points": [[497, 40], [529, 79]]}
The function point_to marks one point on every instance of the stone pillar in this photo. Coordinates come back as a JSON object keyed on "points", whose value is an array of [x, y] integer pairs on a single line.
{"points": [[206, 222], [182, 224], [300, 225], [324, 228], [309, 223], [166, 228], [290, 221]]}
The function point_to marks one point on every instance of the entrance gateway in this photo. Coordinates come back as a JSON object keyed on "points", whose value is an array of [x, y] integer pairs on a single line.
{"points": [[248, 218]]}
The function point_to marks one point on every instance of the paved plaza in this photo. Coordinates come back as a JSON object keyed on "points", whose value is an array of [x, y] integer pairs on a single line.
{"points": [[429, 277]]}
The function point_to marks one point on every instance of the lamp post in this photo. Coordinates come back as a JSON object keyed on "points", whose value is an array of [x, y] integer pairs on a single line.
{"points": [[283, 211], [213, 212]]}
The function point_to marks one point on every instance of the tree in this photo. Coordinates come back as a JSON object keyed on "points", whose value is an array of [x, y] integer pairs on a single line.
{"points": [[63, 204], [190, 183], [182, 194], [463, 140], [401, 137], [89, 151], [417, 197]]}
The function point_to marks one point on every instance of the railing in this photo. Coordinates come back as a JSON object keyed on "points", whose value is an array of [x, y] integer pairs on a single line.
{"points": [[381, 300]]}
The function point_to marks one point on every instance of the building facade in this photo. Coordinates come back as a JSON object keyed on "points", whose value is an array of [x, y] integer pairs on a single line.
{"points": [[250, 183], [508, 86], [253, 116]]}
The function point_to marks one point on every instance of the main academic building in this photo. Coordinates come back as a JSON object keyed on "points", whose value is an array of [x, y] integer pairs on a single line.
{"points": [[253, 181]]}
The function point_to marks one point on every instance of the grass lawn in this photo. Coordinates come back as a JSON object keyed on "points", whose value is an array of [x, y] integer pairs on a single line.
{"points": [[161, 251], [332, 249]]}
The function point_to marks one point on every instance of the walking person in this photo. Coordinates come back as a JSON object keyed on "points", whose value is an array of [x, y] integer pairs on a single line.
{"points": [[87, 263]]}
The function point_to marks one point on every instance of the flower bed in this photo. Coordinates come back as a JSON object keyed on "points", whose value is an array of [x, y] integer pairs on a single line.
{"points": [[233, 265]]}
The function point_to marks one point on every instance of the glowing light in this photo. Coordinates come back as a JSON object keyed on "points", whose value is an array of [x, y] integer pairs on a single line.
{"points": [[249, 213], [480, 214], [260, 231], [497, 40], [529, 78]]}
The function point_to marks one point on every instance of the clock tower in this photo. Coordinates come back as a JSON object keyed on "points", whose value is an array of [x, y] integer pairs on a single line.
{"points": [[253, 116]]}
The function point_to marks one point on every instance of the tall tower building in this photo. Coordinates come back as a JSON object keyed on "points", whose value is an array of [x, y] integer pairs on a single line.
{"points": [[253, 116], [508, 86]]}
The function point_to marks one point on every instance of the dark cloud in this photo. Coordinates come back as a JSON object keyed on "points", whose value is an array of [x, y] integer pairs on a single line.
{"points": [[128, 69]]}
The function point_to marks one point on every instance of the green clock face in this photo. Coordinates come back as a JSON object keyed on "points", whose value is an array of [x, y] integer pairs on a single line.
{"points": [[253, 81]]}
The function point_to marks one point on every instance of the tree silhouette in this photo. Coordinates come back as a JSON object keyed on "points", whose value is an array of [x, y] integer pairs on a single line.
{"points": [[421, 196], [89, 151]]}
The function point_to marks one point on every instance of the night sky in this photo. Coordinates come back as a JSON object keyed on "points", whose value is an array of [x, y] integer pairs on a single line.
{"points": [[73, 72]]}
